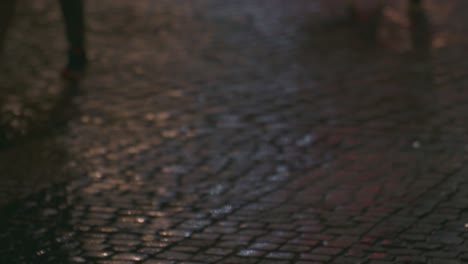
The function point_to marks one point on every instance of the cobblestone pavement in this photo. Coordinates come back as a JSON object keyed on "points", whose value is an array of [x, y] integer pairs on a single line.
{"points": [[233, 132]]}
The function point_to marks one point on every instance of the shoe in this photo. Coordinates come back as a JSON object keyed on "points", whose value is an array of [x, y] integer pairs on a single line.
{"points": [[76, 66]]}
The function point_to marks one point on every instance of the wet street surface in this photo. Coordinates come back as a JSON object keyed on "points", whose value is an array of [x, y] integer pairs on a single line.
{"points": [[233, 132]]}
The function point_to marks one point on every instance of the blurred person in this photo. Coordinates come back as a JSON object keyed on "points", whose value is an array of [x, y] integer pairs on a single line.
{"points": [[366, 14], [73, 14], [355, 9], [6, 12], [420, 26]]}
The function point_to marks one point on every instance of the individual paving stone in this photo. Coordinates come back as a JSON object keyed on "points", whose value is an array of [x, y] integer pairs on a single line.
{"points": [[185, 249], [197, 243], [129, 256], [174, 255], [206, 236], [347, 260], [219, 251], [284, 234], [123, 249], [404, 252], [98, 254], [342, 241], [447, 238], [264, 246], [237, 237], [221, 230], [280, 255], [305, 241], [252, 232], [378, 255], [271, 239], [192, 262], [427, 246], [295, 248], [327, 251], [124, 242], [149, 250], [380, 262], [313, 257], [448, 261], [251, 253], [155, 261], [116, 262], [413, 237], [232, 244], [206, 258], [274, 261], [239, 260], [411, 259], [447, 254]]}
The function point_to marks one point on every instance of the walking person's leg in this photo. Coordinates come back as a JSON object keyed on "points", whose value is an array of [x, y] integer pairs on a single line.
{"points": [[73, 13], [420, 27], [7, 9]]}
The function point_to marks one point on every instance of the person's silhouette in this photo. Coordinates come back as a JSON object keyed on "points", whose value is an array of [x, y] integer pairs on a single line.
{"points": [[6, 12], [73, 13]]}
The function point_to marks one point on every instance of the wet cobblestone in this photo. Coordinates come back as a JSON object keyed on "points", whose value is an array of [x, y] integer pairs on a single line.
{"points": [[233, 133]]}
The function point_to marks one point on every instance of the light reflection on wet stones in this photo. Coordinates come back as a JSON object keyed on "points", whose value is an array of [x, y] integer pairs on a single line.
{"points": [[232, 169]]}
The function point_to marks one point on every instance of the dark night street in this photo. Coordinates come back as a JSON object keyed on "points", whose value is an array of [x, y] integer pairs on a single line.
{"points": [[233, 131]]}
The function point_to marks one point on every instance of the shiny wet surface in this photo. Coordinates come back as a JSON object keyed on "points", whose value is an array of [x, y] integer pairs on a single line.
{"points": [[233, 132]]}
